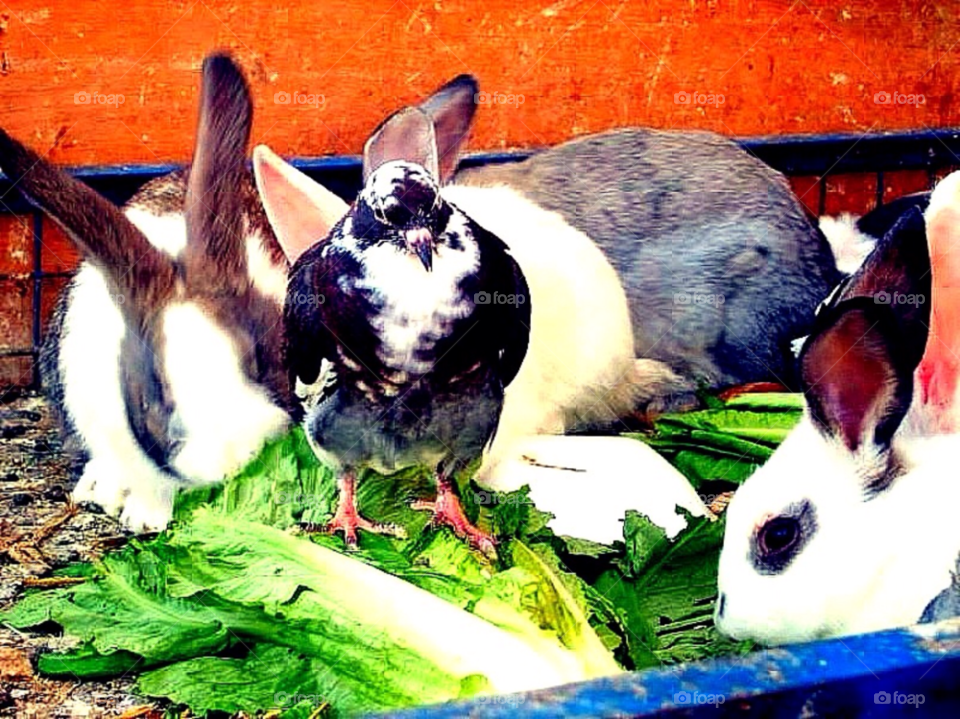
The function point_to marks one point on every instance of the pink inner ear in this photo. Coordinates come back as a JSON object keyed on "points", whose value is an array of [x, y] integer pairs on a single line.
{"points": [[300, 211], [939, 369]]}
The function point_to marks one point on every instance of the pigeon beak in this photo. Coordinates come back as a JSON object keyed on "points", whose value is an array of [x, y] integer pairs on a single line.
{"points": [[420, 243]]}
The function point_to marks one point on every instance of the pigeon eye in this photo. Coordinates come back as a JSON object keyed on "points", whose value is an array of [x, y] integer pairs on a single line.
{"points": [[392, 212], [779, 535]]}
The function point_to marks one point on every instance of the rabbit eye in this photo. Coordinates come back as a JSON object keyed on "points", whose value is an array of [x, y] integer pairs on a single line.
{"points": [[779, 535], [779, 540]]}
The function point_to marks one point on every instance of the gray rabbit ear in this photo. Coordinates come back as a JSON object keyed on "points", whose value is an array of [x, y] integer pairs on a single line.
{"points": [[215, 254], [406, 135], [300, 211], [452, 108]]}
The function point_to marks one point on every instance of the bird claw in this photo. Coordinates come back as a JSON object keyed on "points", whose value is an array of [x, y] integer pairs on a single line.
{"points": [[349, 522], [448, 512], [347, 518]]}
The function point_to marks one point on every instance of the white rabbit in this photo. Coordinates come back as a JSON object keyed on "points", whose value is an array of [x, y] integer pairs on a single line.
{"points": [[851, 525]]}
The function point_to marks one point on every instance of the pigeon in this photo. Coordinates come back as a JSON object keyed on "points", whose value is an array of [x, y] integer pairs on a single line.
{"points": [[403, 326]]}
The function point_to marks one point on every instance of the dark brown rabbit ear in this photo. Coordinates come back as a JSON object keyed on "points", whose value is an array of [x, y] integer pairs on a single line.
{"points": [[452, 108], [857, 382], [138, 272], [857, 366], [406, 135], [897, 274], [216, 254]]}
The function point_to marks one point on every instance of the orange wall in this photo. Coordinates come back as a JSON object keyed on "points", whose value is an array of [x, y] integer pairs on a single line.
{"points": [[581, 65]]}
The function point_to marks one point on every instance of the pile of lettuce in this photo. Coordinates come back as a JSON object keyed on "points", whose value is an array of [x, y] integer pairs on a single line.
{"points": [[235, 609]]}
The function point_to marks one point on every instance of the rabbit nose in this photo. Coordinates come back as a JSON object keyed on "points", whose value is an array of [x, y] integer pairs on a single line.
{"points": [[721, 605]]}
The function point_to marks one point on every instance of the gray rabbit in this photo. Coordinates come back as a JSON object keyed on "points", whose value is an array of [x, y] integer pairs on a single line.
{"points": [[721, 266], [720, 263]]}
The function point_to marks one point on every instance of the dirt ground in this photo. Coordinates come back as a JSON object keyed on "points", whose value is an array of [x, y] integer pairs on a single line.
{"points": [[41, 530]]}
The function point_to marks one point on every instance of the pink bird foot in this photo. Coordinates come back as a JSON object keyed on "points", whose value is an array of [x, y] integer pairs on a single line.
{"points": [[447, 511], [347, 518]]}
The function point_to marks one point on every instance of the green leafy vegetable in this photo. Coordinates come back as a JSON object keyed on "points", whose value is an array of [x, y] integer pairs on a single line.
{"points": [[232, 609]]}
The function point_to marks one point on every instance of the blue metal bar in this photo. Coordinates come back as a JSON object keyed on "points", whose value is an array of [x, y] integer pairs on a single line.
{"points": [[810, 155], [880, 674], [841, 153]]}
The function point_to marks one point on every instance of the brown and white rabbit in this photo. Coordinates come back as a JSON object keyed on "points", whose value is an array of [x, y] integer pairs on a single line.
{"points": [[851, 525], [165, 354]]}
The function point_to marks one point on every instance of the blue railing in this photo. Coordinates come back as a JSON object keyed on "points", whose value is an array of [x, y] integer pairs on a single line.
{"points": [[913, 673], [799, 155]]}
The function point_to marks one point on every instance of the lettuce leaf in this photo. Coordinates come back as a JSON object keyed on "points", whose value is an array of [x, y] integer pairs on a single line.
{"points": [[233, 609]]}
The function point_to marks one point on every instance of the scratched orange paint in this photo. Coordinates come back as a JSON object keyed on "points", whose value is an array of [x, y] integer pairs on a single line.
{"points": [[581, 66]]}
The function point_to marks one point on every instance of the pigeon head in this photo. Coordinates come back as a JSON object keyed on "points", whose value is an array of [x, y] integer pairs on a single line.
{"points": [[402, 205]]}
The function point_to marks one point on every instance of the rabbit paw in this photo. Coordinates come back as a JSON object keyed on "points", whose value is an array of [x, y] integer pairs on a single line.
{"points": [[148, 511], [102, 484], [141, 502]]}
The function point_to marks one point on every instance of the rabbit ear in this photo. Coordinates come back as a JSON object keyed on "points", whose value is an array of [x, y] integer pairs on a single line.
{"points": [[216, 254], [300, 211], [857, 384], [452, 108], [940, 369], [897, 273], [140, 273], [406, 135], [857, 367]]}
